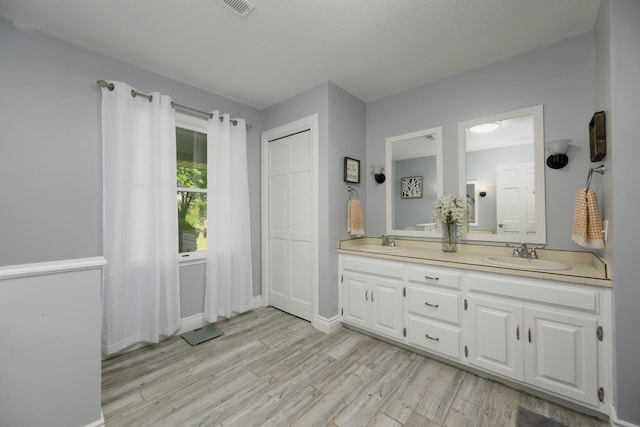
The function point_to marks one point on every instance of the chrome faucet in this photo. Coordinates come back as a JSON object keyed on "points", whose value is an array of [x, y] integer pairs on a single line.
{"points": [[524, 252], [386, 241]]}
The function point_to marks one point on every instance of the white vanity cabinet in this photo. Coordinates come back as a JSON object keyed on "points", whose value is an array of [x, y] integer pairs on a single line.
{"points": [[371, 295], [542, 333], [432, 314], [551, 336]]}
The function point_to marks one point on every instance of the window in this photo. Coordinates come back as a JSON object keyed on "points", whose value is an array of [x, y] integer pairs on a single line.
{"points": [[191, 174]]}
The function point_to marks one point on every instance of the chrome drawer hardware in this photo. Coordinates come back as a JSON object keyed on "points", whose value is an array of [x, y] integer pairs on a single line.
{"points": [[529, 334], [601, 394], [466, 351], [518, 333], [431, 338], [431, 278], [600, 333], [431, 305]]}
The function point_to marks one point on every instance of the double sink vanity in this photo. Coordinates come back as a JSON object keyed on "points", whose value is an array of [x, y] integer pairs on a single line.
{"points": [[543, 324]]}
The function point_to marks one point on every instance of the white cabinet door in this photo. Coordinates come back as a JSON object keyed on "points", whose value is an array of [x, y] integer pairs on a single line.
{"points": [[373, 303], [355, 307], [561, 354], [386, 307], [494, 334]]}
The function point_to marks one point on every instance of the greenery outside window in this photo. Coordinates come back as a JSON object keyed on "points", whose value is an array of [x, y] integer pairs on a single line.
{"points": [[191, 176]]}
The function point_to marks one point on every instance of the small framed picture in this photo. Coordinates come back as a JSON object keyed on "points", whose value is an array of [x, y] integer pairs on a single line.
{"points": [[351, 170], [411, 187]]}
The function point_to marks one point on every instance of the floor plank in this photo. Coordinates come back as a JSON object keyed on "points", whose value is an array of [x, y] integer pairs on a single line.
{"points": [[273, 369]]}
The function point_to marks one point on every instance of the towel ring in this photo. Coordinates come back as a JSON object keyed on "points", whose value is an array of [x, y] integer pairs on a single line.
{"points": [[599, 169], [350, 190]]}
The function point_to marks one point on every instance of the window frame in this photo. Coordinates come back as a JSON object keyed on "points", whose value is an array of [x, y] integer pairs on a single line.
{"points": [[195, 124]]}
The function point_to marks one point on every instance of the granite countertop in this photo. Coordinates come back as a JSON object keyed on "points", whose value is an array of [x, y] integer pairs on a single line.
{"points": [[586, 267]]}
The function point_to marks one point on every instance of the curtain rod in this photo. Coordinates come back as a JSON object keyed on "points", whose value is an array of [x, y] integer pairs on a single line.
{"points": [[135, 93]]}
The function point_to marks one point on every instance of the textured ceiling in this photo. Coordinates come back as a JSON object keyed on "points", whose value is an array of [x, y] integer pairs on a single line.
{"points": [[370, 48]]}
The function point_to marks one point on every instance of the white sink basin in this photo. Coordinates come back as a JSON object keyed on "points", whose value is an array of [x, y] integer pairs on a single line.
{"points": [[530, 264], [382, 249]]}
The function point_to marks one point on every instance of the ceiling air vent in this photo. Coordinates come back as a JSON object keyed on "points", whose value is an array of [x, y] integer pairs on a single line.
{"points": [[241, 7]]}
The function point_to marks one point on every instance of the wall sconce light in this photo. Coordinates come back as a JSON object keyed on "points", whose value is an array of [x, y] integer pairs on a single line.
{"points": [[558, 150], [378, 173]]}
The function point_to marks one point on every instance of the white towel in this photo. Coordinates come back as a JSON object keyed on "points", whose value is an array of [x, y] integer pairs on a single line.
{"points": [[355, 223], [587, 222]]}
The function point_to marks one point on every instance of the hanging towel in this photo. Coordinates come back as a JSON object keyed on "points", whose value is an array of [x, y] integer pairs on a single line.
{"points": [[355, 223], [587, 223]]}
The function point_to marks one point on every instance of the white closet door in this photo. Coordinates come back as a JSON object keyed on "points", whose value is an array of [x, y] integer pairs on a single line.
{"points": [[290, 235]]}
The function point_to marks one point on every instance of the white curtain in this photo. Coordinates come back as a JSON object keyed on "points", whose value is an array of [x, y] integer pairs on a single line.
{"points": [[229, 285], [141, 294]]}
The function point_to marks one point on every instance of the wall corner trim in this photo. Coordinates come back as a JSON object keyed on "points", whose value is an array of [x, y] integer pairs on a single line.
{"points": [[328, 326]]}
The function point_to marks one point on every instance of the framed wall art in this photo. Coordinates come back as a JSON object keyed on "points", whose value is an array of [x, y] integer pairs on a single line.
{"points": [[597, 137], [411, 187], [351, 170]]}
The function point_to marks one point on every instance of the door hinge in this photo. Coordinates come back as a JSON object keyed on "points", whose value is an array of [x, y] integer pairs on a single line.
{"points": [[465, 304], [404, 332], [466, 351], [600, 333], [601, 394], [404, 292]]}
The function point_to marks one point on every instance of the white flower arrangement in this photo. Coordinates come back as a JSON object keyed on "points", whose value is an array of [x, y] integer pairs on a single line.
{"points": [[450, 210]]}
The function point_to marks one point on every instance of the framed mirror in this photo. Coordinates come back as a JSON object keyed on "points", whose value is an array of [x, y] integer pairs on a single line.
{"points": [[502, 156], [414, 182]]}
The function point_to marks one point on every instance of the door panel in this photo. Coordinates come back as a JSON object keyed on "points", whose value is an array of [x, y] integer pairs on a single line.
{"points": [[562, 354], [290, 224], [495, 336]]}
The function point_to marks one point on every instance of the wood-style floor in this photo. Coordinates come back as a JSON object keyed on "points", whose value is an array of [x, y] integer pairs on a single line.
{"points": [[273, 369]]}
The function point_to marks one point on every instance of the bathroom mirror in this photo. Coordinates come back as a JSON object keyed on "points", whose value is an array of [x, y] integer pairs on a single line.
{"points": [[414, 182], [502, 157]]}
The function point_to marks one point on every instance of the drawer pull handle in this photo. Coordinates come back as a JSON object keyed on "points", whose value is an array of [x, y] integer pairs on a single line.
{"points": [[431, 305], [518, 333], [371, 296], [366, 295], [529, 334], [431, 338], [431, 278]]}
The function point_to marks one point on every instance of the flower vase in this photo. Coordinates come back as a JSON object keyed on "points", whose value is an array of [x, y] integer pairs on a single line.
{"points": [[449, 236]]}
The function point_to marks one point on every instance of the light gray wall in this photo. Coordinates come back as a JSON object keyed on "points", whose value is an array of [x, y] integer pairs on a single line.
{"points": [[50, 150], [624, 151], [560, 76], [341, 122], [347, 138]]}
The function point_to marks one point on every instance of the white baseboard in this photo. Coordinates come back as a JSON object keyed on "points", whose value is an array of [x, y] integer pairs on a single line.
{"points": [[97, 423], [328, 326], [197, 320], [615, 422]]}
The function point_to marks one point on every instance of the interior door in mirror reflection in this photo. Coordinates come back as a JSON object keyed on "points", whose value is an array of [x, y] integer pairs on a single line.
{"points": [[515, 198]]}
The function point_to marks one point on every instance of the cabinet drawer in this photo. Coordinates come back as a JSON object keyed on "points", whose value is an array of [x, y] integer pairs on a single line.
{"points": [[434, 336], [543, 291], [434, 276], [439, 304], [373, 266]]}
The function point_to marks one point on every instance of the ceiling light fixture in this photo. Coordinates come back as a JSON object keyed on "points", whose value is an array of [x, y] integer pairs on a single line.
{"points": [[484, 127], [241, 7]]}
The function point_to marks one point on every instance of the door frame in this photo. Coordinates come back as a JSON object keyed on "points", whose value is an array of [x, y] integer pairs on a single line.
{"points": [[307, 123]]}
